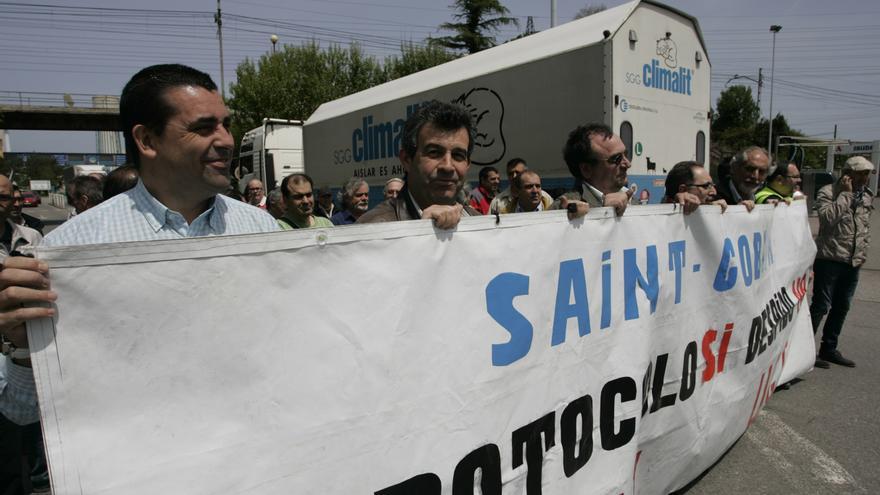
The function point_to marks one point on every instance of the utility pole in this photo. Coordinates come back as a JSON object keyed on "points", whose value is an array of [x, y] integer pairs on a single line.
{"points": [[829, 160], [773, 29], [530, 26], [760, 85], [219, 22]]}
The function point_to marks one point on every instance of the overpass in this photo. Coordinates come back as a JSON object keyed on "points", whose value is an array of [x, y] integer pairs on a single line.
{"points": [[34, 111]]}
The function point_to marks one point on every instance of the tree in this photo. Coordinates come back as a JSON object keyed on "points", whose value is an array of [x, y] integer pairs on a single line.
{"points": [[735, 109], [36, 167], [589, 10], [295, 80], [737, 124], [477, 19], [414, 59]]}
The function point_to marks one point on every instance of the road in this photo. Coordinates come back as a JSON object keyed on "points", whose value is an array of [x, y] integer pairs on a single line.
{"points": [[50, 215], [821, 435]]}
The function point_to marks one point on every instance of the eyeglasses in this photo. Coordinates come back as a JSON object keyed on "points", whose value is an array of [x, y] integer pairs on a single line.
{"points": [[5, 198], [616, 159], [706, 185]]}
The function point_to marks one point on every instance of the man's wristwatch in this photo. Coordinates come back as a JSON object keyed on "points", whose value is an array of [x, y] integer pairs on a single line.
{"points": [[10, 350]]}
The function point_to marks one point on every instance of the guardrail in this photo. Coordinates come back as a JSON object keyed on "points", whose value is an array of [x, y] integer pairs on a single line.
{"points": [[58, 200], [42, 99]]}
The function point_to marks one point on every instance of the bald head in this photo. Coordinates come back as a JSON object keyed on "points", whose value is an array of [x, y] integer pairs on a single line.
{"points": [[6, 199]]}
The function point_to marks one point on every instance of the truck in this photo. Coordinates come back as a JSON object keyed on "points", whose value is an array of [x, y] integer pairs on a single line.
{"points": [[270, 152], [641, 68]]}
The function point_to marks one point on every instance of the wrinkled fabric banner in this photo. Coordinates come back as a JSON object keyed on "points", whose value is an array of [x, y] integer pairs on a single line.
{"points": [[535, 355]]}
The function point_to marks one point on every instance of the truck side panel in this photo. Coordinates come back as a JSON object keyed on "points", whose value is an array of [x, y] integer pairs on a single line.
{"points": [[525, 111]]}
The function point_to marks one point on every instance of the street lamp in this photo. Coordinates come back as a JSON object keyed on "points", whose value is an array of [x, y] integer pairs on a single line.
{"points": [[273, 39], [773, 29]]}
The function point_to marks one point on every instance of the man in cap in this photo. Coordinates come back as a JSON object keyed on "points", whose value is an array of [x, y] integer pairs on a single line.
{"points": [[844, 210]]}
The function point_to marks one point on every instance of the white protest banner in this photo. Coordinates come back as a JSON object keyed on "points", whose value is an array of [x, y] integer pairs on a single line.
{"points": [[606, 355]]}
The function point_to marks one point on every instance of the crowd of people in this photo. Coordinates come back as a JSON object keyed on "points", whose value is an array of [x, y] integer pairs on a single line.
{"points": [[176, 130]]}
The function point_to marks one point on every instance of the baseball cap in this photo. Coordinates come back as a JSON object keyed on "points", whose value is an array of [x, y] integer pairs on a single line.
{"points": [[858, 164]]}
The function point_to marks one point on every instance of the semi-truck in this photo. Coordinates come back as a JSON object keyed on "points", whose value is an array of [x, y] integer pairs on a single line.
{"points": [[641, 68], [270, 152]]}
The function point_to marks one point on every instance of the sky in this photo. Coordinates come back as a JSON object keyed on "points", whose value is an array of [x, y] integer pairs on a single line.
{"points": [[826, 63]]}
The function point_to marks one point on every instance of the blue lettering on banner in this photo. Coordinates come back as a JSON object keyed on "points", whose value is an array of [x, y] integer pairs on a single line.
{"points": [[658, 77], [572, 297], [500, 293], [753, 258], [375, 140], [744, 258], [572, 282]]}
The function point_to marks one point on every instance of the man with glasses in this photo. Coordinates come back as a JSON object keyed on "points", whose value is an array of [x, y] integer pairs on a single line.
{"points": [[19, 217], [17, 421], [12, 236], [255, 194], [781, 185], [689, 185], [748, 169], [596, 157]]}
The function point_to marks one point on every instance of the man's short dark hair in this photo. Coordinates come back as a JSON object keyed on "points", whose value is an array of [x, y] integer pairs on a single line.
{"points": [[88, 186], [445, 117], [681, 173], [513, 162], [119, 180], [297, 178], [780, 170], [578, 149], [143, 101], [485, 171]]}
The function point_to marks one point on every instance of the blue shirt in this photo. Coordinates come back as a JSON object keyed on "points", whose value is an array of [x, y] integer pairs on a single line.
{"points": [[343, 217], [134, 215]]}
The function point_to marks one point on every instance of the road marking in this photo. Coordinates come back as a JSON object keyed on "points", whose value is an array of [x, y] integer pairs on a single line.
{"points": [[797, 458]]}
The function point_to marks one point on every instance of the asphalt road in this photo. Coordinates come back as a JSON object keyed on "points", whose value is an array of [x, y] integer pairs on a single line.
{"points": [[821, 435], [50, 215]]}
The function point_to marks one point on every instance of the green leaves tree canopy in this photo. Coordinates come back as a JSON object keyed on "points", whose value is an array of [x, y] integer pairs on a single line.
{"points": [[476, 21]]}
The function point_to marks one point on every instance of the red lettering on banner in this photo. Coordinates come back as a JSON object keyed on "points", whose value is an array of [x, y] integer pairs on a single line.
{"points": [[715, 365]]}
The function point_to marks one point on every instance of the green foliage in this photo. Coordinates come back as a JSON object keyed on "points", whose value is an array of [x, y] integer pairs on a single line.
{"points": [[477, 19], [737, 124], [735, 109], [413, 59], [294, 81], [37, 167]]}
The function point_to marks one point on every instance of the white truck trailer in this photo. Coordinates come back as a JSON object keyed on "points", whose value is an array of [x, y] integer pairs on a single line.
{"points": [[270, 152], [641, 68]]}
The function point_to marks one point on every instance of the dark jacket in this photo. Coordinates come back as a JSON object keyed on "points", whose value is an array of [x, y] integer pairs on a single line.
{"points": [[399, 208], [727, 191]]}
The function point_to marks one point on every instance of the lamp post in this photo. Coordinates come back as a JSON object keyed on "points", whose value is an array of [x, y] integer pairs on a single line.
{"points": [[273, 39], [773, 29]]}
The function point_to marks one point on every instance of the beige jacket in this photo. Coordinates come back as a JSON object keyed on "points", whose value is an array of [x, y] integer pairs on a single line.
{"points": [[844, 225]]}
